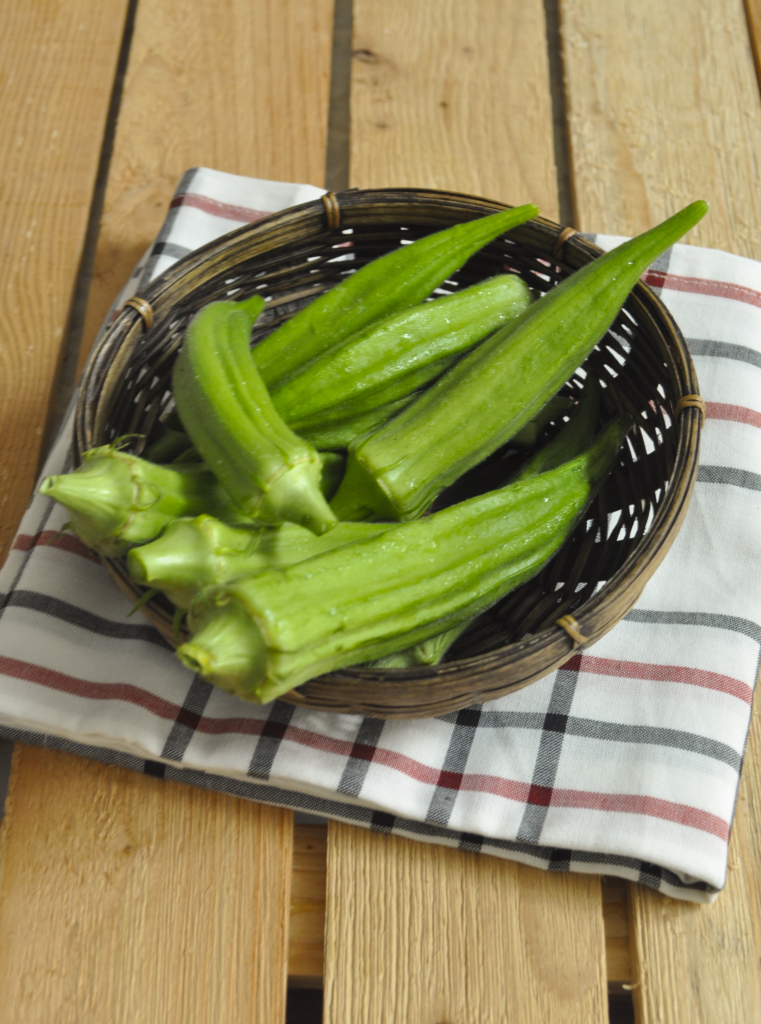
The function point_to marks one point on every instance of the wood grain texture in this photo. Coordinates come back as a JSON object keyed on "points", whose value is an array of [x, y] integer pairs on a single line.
{"points": [[663, 108], [699, 963], [425, 933], [241, 87], [166, 903], [306, 951], [453, 95], [753, 14], [128, 900], [57, 67], [306, 944]]}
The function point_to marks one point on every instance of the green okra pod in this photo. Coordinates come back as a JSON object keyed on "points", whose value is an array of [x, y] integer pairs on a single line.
{"points": [[259, 636], [339, 433], [392, 358], [487, 397], [116, 500], [428, 652], [269, 472], [169, 447], [335, 429], [574, 437], [528, 435], [195, 553], [389, 284]]}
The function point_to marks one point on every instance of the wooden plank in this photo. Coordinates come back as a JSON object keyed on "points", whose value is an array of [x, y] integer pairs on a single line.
{"points": [[307, 928], [127, 899], [306, 944], [696, 963], [57, 67], [241, 86], [453, 95], [616, 922], [663, 108], [753, 14], [425, 933]]}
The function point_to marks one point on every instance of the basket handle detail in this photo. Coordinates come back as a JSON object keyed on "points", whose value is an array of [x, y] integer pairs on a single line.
{"points": [[562, 238], [573, 629], [144, 308], [692, 402], [333, 210]]}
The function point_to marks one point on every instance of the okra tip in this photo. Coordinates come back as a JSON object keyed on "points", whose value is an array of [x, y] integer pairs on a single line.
{"points": [[228, 650], [693, 213]]}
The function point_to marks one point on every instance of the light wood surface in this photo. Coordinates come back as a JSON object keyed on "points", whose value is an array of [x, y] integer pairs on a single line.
{"points": [[129, 900], [241, 87], [696, 963], [306, 954], [57, 67], [453, 95], [673, 115], [430, 934], [663, 108]]}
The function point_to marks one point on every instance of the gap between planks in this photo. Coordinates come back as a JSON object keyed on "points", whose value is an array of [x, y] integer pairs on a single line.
{"points": [[306, 950]]}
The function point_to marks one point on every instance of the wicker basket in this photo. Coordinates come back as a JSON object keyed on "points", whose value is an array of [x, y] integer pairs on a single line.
{"points": [[643, 363]]}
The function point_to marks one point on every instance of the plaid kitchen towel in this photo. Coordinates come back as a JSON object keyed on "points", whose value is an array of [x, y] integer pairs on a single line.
{"points": [[624, 761]]}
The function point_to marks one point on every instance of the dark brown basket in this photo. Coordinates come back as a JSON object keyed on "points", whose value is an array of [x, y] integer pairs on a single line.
{"points": [[642, 362]]}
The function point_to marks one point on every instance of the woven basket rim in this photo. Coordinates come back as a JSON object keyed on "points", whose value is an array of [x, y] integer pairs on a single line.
{"points": [[575, 250]]}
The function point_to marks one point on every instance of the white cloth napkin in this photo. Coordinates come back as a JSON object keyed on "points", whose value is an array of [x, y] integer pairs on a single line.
{"points": [[624, 761]]}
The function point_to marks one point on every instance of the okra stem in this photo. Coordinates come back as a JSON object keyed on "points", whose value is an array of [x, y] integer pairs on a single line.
{"points": [[116, 500], [195, 553], [269, 472], [377, 596]]}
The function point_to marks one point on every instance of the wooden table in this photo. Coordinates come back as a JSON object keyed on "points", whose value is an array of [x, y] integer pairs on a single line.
{"points": [[126, 899]]}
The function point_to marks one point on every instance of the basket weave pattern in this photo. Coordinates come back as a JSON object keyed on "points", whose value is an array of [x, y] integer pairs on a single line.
{"points": [[642, 363]]}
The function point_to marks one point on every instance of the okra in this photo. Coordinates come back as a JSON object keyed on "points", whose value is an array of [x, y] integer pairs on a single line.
{"points": [[333, 469], [169, 447], [392, 358], [400, 279], [116, 500], [574, 438], [340, 433], [259, 636], [195, 553], [429, 652], [487, 397], [528, 435], [269, 472]]}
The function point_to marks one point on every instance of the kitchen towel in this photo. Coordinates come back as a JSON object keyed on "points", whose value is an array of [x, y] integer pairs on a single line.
{"points": [[625, 761]]}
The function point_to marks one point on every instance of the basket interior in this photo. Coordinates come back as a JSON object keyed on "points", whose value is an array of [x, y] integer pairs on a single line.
{"points": [[631, 363]]}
